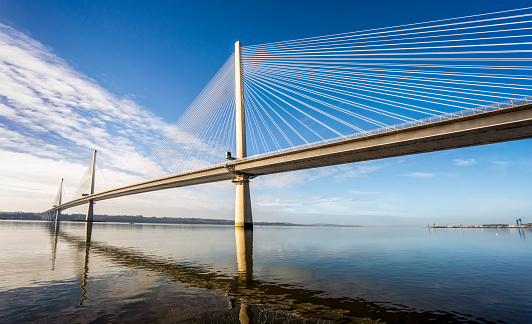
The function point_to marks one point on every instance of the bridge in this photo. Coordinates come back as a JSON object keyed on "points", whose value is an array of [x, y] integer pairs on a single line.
{"points": [[345, 85]]}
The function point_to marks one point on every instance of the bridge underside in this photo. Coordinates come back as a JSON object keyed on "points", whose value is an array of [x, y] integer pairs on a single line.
{"points": [[491, 127]]}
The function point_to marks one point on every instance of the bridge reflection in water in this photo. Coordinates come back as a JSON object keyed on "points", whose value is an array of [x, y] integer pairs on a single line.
{"points": [[244, 289]]}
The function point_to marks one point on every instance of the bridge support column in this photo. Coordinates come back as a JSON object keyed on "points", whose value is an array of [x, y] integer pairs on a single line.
{"points": [[88, 232], [90, 208], [243, 215], [57, 215], [90, 212]]}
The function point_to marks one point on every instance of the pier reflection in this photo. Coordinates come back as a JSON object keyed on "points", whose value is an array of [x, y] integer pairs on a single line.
{"points": [[244, 258], [55, 232], [522, 233], [85, 274], [249, 292], [85, 245]]}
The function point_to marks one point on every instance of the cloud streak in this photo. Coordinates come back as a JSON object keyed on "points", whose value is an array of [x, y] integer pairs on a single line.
{"points": [[464, 162], [298, 178], [52, 116], [420, 175], [48, 109]]}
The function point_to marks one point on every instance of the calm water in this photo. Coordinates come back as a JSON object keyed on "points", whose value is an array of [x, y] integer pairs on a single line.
{"points": [[177, 273]]}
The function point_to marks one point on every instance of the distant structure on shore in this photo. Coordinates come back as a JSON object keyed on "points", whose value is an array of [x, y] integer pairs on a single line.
{"points": [[519, 224]]}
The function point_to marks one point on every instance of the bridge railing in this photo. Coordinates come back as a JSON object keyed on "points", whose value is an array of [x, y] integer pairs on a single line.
{"points": [[387, 129]]}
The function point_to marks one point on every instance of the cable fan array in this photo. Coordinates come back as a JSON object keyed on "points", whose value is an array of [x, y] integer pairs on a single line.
{"points": [[307, 90], [311, 89], [59, 197], [198, 139], [204, 132], [84, 184]]}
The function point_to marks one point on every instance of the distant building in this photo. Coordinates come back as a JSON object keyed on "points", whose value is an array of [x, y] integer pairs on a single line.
{"points": [[495, 225]]}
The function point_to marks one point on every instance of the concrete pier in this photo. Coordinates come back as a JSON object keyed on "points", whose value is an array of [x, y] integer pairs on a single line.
{"points": [[88, 232]]}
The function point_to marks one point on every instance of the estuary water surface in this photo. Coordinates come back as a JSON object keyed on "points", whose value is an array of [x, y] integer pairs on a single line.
{"points": [[182, 273]]}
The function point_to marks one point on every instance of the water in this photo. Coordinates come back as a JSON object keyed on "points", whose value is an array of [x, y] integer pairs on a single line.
{"points": [[177, 273]]}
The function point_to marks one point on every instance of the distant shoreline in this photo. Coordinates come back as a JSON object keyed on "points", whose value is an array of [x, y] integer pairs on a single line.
{"points": [[139, 219]]}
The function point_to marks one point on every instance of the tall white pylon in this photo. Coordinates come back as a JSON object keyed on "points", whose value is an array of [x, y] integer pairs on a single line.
{"points": [[243, 217], [58, 211], [90, 208]]}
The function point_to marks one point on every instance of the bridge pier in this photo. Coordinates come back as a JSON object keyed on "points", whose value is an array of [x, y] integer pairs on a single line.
{"points": [[243, 216], [90, 211]]}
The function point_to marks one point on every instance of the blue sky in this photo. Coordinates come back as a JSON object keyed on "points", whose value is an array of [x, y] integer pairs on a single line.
{"points": [[149, 61]]}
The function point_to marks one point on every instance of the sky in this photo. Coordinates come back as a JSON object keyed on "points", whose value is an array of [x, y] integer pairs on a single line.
{"points": [[115, 75]]}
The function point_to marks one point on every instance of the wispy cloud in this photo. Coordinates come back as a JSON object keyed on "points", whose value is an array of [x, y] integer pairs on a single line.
{"points": [[420, 175], [502, 163], [52, 116], [315, 204], [309, 201], [464, 162], [48, 109], [291, 179], [30, 183], [321, 205], [357, 192], [345, 172], [298, 178]]}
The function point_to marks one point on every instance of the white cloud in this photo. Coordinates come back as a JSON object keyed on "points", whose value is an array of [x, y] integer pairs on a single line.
{"points": [[356, 192], [43, 99], [420, 175], [464, 162], [314, 204], [52, 116], [297, 178], [502, 163], [30, 183], [286, 207], [357, 170]]}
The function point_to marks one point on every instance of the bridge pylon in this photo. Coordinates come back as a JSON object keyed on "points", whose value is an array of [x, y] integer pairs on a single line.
{"points": [[90, 208], [243, 216], [58, 211]]}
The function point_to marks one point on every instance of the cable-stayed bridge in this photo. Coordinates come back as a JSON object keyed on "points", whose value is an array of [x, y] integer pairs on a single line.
{"points": [[347, 98]]}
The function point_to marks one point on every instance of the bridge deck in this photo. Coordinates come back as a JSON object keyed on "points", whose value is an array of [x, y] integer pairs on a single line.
{"points": [[508, 124]]}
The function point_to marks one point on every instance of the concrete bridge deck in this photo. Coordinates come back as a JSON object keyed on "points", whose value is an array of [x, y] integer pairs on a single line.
{"points": [[501, 125]]}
